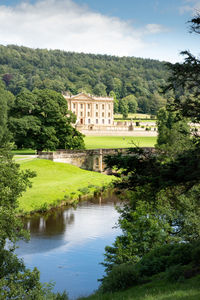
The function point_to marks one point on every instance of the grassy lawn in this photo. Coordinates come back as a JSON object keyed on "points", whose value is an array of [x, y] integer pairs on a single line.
{"points": [[138, 120], [134, 116], [94, 142], [58, 181], [24, 152], [187, 290]]}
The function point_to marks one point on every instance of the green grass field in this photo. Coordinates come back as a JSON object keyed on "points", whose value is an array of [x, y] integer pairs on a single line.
{"points": [[58, 181], [24, 152], [94, 142], [134, 116], [161, 290], [139, 120]]}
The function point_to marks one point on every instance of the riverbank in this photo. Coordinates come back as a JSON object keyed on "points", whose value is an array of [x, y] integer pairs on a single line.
{"points": [[57, 184], [157, 290]]}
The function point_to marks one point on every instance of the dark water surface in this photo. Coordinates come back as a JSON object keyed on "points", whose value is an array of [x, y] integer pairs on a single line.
{"points": [[67, 245]]}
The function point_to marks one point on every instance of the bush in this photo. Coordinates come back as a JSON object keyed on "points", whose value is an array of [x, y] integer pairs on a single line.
{"points": [[173, 262], [84, 190], [175, 273], [119, 278], [196, 255]]}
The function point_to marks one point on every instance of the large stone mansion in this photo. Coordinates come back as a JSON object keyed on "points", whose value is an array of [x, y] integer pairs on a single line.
{"points": [[91, 111], [95, 116]]}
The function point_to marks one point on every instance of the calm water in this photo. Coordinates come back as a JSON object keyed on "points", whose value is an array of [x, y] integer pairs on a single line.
{"points": [[67, 245]]}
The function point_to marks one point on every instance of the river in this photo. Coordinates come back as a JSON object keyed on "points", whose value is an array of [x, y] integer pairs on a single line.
{"points": [[67, 244]]}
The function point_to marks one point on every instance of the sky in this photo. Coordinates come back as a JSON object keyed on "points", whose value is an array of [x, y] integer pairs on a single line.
{"points": [[156, 29]]}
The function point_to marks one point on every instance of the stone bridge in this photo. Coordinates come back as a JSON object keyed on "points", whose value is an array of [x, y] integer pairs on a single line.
{"points": [[92, 160]]}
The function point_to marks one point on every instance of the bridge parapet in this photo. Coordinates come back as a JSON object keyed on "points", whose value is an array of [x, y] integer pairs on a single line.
{"points": [[92, 160]]}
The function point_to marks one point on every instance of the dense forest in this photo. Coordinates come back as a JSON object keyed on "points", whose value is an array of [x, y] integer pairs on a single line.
{"points": [[22, 67]]}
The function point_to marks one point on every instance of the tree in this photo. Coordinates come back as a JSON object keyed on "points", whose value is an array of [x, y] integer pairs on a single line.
{"points": [[16, 281], [7, 78], [123, 108], [6, 100], [132, 103], [174, 134], [116, 102], [143, 105], [156, 101], [163, 185], [185, 82], [100, 89], [40, 120]]}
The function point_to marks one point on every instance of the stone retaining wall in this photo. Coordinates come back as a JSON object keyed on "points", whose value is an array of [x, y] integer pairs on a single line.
{"points": [[92, 160]]}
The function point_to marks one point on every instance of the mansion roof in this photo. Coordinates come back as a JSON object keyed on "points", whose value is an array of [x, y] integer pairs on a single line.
{"points": [[84, 96]]}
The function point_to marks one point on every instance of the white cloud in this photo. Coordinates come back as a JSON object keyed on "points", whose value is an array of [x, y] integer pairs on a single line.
{"points": [[191, 6], [155, 28], [62, 24]]}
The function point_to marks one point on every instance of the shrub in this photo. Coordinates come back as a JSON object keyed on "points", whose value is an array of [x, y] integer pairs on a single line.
{"points": [[175, 273], [119, 278], [84, 191], [196, 255]]}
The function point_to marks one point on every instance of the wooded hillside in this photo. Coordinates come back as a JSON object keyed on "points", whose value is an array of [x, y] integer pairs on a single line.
{"points": [[97, 74]]}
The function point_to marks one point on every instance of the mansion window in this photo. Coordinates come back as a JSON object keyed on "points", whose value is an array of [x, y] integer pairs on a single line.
{"points": [[96, 106], [102, 121], [102, 114], [88, 106], [109, 106], [109, 121], [102, 106], [81, 105], [109, 115], [96, 121], [88, 113], [81, 113], [88, 121], [96, 114], [74, 105]]}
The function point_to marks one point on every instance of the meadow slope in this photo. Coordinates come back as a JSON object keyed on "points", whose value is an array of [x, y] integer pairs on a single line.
{"points": [[58, 182]]}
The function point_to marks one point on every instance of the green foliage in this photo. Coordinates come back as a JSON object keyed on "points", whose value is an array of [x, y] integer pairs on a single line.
{"points": [[163, 207], [155, 290], [123, 108], [120, 278], [172, 262], [175, 273], [16, 281], [84, 190], [6, 100], [40, 120], [57, 70], [132, 104], [173, 134], [116, 102]]}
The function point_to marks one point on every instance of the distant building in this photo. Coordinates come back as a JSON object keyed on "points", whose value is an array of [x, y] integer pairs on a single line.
{"points": [[91, 110]]}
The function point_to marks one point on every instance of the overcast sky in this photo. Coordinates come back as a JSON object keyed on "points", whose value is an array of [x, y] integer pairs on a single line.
{"points": [[155, 29]]}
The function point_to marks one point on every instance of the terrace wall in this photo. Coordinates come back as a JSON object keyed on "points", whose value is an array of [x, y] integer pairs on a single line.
{"points": [[92, 160]]}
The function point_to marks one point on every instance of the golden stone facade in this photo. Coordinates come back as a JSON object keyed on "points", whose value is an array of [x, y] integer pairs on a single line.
{"points": [[91, 110]]}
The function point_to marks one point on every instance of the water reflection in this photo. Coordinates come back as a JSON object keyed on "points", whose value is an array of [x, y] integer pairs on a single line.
{"points": [[67, 245]]}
